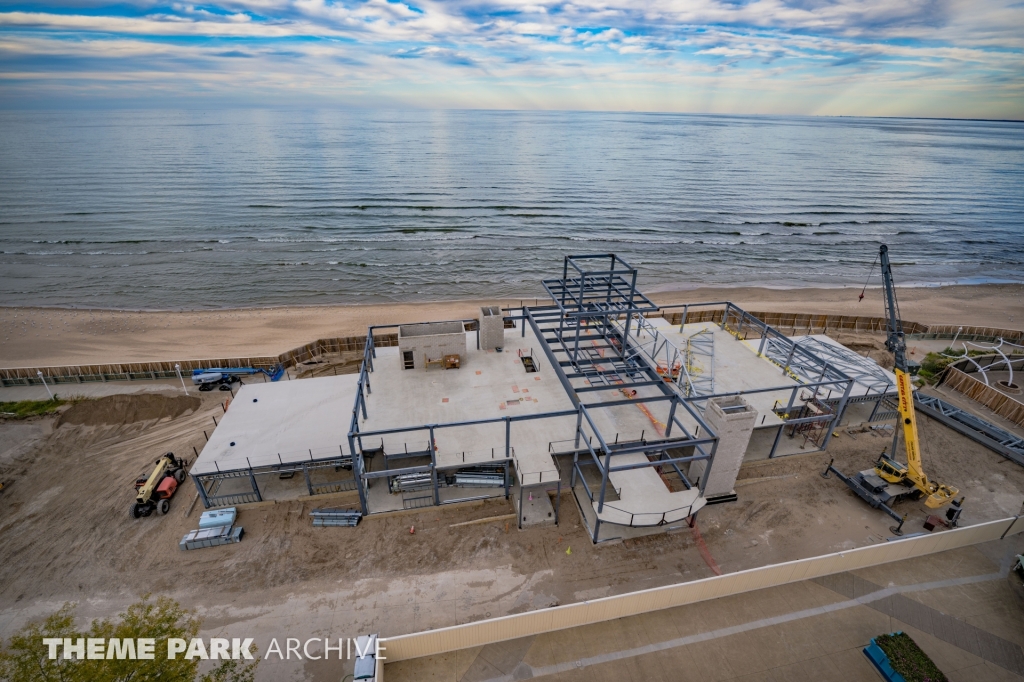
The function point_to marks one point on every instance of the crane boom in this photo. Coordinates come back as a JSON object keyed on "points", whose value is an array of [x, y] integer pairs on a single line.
{"points": [[937, 493]]}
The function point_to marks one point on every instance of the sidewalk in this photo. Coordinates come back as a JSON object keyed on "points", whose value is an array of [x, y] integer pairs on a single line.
{"points": [[961, 607]]}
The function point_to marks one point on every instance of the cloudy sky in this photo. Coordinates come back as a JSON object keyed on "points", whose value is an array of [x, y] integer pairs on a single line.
{"points": [[955, 58]]}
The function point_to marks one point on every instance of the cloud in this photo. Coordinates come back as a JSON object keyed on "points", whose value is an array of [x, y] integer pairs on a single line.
{"points": [[798, 56]]}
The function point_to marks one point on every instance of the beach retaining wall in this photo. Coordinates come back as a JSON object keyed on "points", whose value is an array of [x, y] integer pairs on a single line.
{"points": [[793, 323]]}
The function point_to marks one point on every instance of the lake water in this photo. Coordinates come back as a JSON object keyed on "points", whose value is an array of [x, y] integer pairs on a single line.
{"points": [[193, 209]]}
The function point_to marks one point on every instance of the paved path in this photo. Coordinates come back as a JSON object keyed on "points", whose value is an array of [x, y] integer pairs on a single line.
{"points": [[961, 607]]}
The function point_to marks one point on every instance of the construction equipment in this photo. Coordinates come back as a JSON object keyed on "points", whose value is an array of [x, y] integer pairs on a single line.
{"points": [[154, 493], [223, 377], [890, 480]]}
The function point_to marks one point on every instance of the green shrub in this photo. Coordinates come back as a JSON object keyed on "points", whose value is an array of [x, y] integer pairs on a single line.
{"points": [[23, 409], [26, 659], [908, 660], [934, 363]]}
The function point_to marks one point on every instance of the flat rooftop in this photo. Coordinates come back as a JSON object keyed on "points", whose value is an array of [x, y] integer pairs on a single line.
{"points": [[488, 385], [737, 367], [281, 422]]}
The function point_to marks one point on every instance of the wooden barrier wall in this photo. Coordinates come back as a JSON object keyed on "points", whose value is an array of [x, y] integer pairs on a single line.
{"points": [[505, 628], [1000, 403], [796, 323], [165, 369], [940, 331], [806, 323]]}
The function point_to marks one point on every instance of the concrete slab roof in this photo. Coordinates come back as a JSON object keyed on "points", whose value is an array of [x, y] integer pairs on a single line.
{"points": [[737, 368], [284, 421], [488, 385]]}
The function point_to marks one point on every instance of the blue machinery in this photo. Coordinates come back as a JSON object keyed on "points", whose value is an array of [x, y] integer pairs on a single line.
{"points": [[274, 375]]}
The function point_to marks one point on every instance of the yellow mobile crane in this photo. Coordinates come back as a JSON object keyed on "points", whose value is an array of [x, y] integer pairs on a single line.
{"points": [[890, 480]]}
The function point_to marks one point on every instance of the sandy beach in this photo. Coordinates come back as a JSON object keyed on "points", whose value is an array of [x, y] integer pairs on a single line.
{"points": [[60, 336]]}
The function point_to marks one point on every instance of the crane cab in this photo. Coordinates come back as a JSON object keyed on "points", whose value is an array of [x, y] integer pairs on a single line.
{"points": [[890, 470]]}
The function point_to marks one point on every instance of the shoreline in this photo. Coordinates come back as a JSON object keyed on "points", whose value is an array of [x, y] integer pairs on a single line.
{"points": [[71, 336], [656, 291]]}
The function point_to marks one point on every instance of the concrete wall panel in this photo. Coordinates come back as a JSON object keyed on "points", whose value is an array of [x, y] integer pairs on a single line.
{"points": [[609, 608]]}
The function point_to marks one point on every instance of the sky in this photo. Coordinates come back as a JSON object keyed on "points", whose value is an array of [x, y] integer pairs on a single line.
{"points": [[934, 58]]}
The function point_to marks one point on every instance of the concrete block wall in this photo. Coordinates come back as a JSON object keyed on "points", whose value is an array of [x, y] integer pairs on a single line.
{"points": [[492, 328], [434, 339], [732, 419]]}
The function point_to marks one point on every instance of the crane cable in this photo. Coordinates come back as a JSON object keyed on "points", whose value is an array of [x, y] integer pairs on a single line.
{"points": [[861, 297]]}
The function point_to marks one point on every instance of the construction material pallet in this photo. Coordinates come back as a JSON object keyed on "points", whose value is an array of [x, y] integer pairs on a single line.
{"points": [[217, 518], [335, 517], [211, 537]]}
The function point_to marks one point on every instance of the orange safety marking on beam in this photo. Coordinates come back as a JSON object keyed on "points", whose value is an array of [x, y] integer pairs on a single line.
{"points": [[655, 422], [705, 553], [643, 408]]}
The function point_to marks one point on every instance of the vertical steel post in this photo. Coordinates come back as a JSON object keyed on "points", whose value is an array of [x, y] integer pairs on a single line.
{"points": [[579, 425], [558, 499], [305, 474], [604, 479], [252, 480], [357, 468], [508, 437], [671, 416], [202, 490], [840, 409], [629, 316], [778, 436]]}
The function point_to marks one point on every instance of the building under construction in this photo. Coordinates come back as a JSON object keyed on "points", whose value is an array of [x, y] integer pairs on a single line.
{"points": [[595, 391]]}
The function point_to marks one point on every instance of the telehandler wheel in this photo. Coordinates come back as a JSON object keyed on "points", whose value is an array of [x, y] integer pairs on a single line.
{"points": [[135, 511], [163, 506], [179, 475]]}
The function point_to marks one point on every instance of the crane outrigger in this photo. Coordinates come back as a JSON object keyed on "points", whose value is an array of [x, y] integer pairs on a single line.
{"points": [[890, 481]]}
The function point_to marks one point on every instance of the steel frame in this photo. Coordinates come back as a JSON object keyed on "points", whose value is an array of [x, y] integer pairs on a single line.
{"points": [[593, 330]]}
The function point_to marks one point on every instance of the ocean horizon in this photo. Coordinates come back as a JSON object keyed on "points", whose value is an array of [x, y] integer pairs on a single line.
{"points": [[254, 208]]}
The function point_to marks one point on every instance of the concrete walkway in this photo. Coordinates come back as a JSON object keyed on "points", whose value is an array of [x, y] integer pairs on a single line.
{"points": [[961, 607]]}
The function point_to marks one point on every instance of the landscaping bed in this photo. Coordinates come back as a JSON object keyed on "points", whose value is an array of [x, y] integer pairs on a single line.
{"points": [[907, 658]]}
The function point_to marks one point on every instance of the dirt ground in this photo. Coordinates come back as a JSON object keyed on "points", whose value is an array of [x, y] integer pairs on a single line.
{"points": [[65, 533]]}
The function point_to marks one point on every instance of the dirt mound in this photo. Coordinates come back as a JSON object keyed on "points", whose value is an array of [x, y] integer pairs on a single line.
{"points": [[127, 409]]}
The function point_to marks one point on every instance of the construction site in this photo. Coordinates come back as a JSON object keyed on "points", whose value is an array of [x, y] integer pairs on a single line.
{"points": [[592, 445]]}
